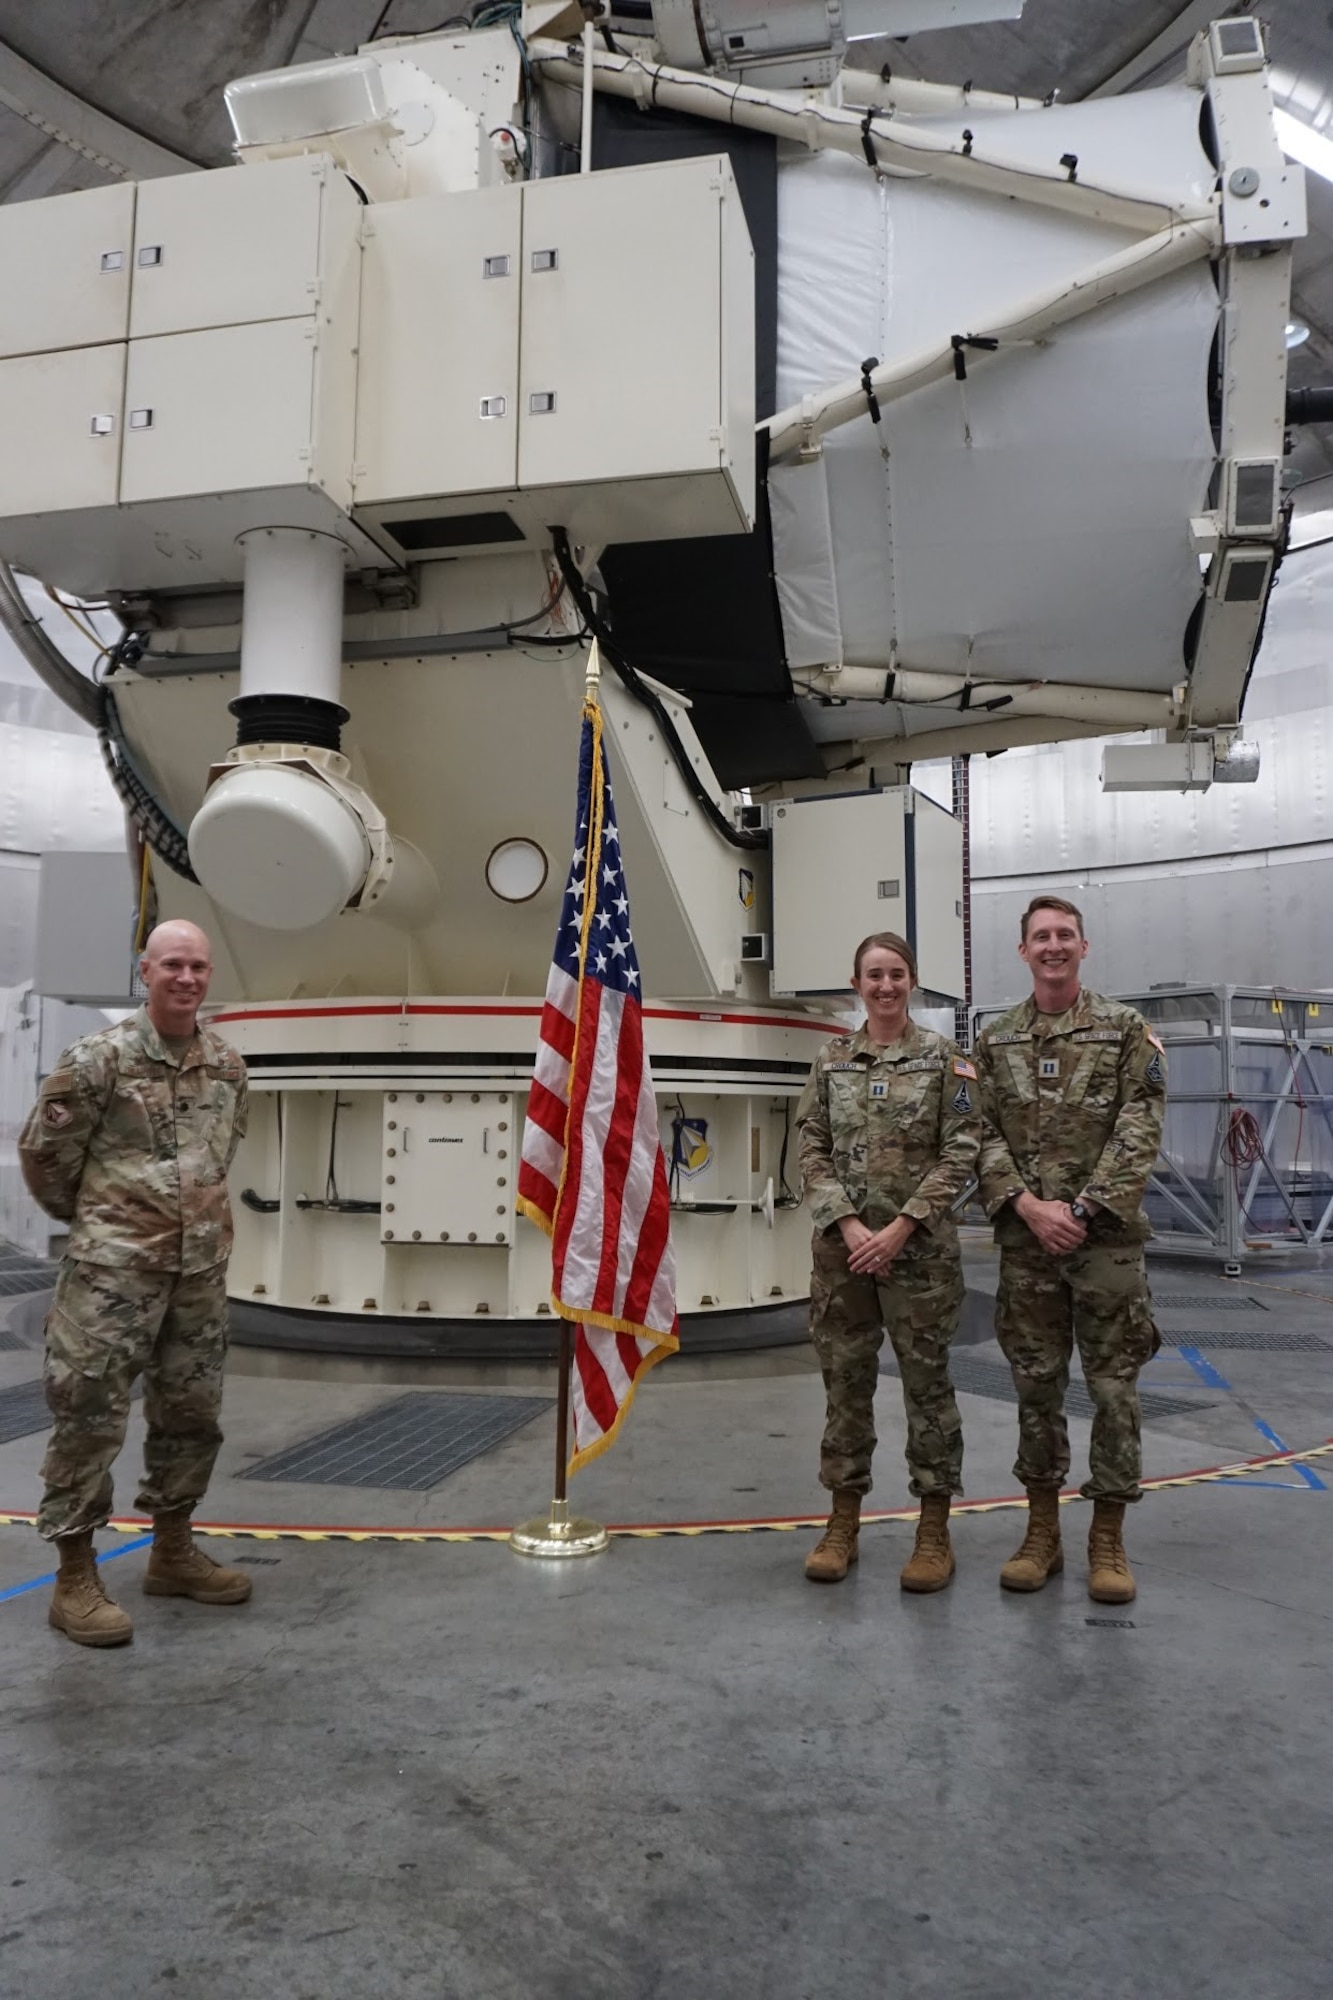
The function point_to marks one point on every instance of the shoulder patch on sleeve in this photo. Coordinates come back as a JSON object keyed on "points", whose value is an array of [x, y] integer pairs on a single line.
{"points": [[1155, 1072], [961, 1101], [59, 1084], [1156, 1044], [962, 1067]]}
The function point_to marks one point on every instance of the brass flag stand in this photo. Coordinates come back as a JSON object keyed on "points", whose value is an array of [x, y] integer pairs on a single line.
{"points": [[559, 1533]]}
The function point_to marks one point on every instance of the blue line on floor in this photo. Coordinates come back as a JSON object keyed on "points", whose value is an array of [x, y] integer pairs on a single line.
{"points": [[124, 1549], [1206, 1372]]}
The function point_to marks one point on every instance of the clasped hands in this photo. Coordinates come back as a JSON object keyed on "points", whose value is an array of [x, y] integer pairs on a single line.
{"points": [[873, 1250], [1053, 1223]]}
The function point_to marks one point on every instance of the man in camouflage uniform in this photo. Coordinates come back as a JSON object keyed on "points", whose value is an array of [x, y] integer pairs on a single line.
{"points": [[1073, 1087], [129, 1143], [888, 1132]]}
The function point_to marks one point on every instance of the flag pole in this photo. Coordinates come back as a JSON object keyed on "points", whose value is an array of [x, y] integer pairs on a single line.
{"points": [[556, 1534]]}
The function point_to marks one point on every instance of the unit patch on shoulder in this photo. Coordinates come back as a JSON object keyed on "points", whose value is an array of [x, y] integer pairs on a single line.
{"points": [[1154, 1072], [962, 1098], [962, 1067], [56, 1112]]}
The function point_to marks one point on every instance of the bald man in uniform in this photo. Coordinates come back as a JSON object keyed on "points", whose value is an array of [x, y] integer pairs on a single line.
{"points": [[129, 1144]]}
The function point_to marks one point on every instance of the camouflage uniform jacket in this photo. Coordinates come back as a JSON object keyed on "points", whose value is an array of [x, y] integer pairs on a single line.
{"points": [[132, 1149], [1073, 1104], [889, 1131]]}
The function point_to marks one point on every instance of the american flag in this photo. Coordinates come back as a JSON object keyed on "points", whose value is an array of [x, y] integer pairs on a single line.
{"points": [[592, 1172]]}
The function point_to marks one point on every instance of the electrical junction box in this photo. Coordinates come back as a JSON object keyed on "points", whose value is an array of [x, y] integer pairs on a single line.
{"points": [[449, 1167], [850, 864]]}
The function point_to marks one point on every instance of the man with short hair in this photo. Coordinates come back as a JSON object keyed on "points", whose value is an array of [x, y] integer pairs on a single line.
{"points": [[1073, 1091], [129, 1143]]}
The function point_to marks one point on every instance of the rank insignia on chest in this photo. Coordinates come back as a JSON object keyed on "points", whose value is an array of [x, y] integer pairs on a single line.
{"points": [[962, 1099], [1048, 1068], [879, 1090]]}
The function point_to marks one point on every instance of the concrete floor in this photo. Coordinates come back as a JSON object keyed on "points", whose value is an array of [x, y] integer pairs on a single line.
{"points": [[437, 1772]]}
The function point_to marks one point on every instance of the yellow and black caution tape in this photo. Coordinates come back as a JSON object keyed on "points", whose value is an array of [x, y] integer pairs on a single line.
{"points": [[658, 1530]]}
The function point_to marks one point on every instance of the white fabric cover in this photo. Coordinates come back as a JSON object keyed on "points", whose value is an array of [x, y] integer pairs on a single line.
{"points": [[1032, 523]]}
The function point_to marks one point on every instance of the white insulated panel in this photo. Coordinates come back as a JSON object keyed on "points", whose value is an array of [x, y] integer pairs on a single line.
{"points": [[219, 411], [937, 889], [663, 299], [237, 244], [60, 420], [449, 1167], [67, 267], [840, 871], [437, 407]]}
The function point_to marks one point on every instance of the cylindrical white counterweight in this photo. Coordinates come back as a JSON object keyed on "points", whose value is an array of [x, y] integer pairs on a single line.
{"points": [[292, 621]]}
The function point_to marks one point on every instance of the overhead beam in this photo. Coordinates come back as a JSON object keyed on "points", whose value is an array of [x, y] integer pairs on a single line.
{"points": [[79, 126]]}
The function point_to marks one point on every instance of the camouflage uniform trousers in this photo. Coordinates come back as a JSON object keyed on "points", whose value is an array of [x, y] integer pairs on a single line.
{"points": [[1099, 1297], [105, 1328], [919, 1300]]}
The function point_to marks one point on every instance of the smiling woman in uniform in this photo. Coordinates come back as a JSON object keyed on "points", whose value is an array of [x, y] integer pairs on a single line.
{"points": [[889, 1134]]}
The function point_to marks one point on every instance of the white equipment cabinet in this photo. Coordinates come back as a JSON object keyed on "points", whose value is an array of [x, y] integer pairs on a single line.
{"points": [[664, 445], [488, 405], [67, 263], [138, 463], [437, 404], [845, 866]]}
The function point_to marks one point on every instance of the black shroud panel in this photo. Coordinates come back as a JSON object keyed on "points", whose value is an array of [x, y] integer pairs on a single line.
{"points": [[702, 616]]}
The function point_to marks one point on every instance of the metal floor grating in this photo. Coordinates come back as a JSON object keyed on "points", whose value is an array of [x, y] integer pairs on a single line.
{"points": [[411, 1443], [974, 1375], [17, 1277], [22, 1411], [1275, 1338], [1219, 1302]]}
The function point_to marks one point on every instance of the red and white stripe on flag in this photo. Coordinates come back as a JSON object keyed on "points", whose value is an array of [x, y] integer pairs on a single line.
{"points": [[592, 1172]]}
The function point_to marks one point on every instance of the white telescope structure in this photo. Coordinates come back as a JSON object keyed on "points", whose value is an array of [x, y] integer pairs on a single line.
{"points": [[863, 422]]}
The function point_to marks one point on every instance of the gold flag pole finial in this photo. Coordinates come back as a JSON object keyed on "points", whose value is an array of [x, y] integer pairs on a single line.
{"points": [[592, 676]]}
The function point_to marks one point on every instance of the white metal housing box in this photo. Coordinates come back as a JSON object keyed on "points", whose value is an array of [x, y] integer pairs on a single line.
{"points": [[239, 244], [67, 264], [665, 448], [60, 419], [136, 465], [848, 865], [437, 389]]}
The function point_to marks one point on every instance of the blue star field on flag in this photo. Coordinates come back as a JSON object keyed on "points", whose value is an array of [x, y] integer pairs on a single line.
{"points": [[611, 955]]}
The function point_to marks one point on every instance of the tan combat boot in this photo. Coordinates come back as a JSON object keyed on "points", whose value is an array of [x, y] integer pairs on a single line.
{"points": [[1040, 1555], [177, 1568], [1110, 1579], [835, 1551], [932, 1564], [80, 1607]]}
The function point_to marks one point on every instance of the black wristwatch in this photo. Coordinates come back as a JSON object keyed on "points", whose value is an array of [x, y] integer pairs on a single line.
{"points": [[1079, 1212]]}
